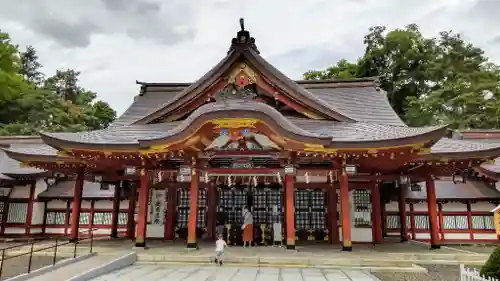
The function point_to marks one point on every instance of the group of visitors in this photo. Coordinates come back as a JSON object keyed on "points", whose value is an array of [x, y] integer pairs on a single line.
{"points": [[246, 228]]}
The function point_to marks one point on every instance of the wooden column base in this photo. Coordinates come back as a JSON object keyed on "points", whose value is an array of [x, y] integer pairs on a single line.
{"points": [[192, 245], [435, 247]]}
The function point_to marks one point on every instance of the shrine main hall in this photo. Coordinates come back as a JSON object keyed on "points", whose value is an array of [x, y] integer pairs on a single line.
{"points": [[324, 159]]}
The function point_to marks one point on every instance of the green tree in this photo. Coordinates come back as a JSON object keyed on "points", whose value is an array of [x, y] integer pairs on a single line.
{"points": [[29, 103], [30, 67], [342, 69], [429, 81]]}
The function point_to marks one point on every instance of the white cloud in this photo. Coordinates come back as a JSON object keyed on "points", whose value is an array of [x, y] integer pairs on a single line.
{"points": [[114, 44]]}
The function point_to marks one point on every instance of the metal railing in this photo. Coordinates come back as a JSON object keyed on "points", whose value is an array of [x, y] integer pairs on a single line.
{"points": [[59, 241]]}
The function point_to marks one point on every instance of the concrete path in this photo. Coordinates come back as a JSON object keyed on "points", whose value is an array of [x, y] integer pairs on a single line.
{"points": [[66, 272], [217, 273]]}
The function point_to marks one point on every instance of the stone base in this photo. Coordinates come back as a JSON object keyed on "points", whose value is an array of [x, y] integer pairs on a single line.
{"points": [[193, 245], [140, 244], [290, 247], [435, 247], [347, 248], [404, 239]]}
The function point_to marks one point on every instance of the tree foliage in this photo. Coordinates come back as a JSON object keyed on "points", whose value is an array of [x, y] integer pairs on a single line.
{"points": [[429, 81], [491, 268], [30, 103]]}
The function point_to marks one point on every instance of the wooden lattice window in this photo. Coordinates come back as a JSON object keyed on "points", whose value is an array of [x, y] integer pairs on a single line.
{"points": [[56, 218], [393, 222], [84, 217], [455, 222], [362, 208], [421, 222], [17, 213], [484, 222], [102, 218], [122, 218], [183, 208]]}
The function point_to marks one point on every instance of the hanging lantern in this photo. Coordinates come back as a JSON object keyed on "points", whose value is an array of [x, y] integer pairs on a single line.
{"points": [[278, 177], [254, 179], [404, 180], [330, 176], [130, 171], [229, 182], [306, 175], [458, 178], [207, 179], [160, 175], [350, 169]]}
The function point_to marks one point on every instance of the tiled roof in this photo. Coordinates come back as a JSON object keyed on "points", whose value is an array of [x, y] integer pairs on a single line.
{"points": [[11, 167], [362, 103], [446, 145], [152, 98], [65, 189], [337, 131], [446, 189]]}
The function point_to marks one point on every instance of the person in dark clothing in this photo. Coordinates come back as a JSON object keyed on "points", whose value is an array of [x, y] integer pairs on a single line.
{"points": [[220, 222]]}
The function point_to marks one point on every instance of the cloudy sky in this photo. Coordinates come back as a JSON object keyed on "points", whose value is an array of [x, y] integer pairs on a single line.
{"points": [[116, 42]]}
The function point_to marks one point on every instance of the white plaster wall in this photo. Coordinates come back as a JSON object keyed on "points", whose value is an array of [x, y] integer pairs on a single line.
{"points": [[14, 230], [56, 204], [486, 236], [103, 204], [422, 236], [86, 204], [38, 212], [36, 230], [102, 231], [40, 187], [4, 191], [54, 230], [155, 231], [421, 207], [392, 207], [457, 236], [362, 235], [482, 207], [20, 192], [454, 207], [124, 204]]}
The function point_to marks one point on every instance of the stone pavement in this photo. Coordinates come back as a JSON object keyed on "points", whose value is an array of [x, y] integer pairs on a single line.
{"points": [[222, 273]]}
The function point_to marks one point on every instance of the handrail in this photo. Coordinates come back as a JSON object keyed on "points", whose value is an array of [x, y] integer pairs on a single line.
{"points": [[55, 246]]}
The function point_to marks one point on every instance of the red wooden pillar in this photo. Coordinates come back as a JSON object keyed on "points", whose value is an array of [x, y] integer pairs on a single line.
{"points": [[412, 222], [290, 212], [77, 204], [441, 221], [131, 210], [171, 211], [212, 210], [115, 211], [432, 211], [376, 214], [140, 237], [333, 228], [29, 211], [193, 209], [469, 221], [345, 210], [402, 213]]}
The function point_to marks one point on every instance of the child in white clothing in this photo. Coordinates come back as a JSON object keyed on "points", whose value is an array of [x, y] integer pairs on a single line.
{"points": [[220, 244]]}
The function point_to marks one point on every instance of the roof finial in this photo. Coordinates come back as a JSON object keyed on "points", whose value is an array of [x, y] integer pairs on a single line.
{"points": [[243, 40], [242, 24]]}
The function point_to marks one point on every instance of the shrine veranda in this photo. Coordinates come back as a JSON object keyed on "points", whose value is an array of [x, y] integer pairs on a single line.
{"points": [[326, 160]]}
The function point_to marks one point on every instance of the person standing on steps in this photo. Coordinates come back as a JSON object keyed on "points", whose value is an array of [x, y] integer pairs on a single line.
{"points": [[247, 227]]}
